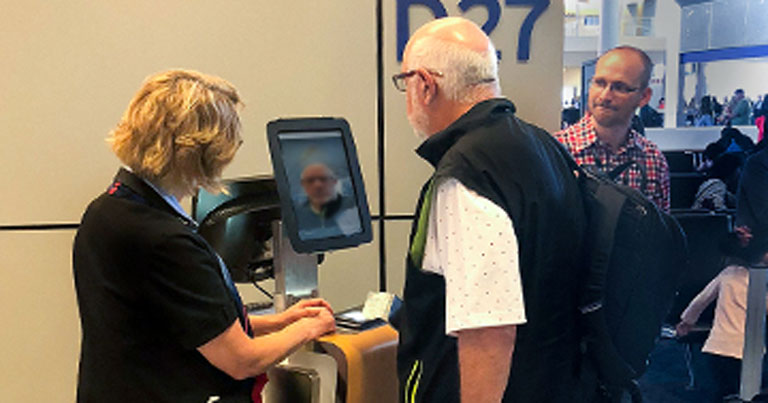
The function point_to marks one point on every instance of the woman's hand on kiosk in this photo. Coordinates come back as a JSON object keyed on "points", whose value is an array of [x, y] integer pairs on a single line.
{"points": [[305, 308], [320, 324]]}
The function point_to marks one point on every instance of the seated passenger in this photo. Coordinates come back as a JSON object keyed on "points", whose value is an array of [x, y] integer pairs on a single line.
{"points": [[718, 192], [709, 156], [705, 112], [733, 140]]}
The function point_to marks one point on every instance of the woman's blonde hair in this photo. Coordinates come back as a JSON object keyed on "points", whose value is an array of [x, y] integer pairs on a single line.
{"points": [[180, 130]]}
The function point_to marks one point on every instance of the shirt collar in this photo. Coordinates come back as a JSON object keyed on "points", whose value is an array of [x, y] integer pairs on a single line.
{"points": [[170, 199], [167, 197], [590, 137]]}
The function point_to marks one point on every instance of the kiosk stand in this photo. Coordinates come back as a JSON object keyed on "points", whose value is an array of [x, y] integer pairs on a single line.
{"points": [[295, 273]]}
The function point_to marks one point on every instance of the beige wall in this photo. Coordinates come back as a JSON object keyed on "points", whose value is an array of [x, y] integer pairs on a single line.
{"points": [[70, 67]]}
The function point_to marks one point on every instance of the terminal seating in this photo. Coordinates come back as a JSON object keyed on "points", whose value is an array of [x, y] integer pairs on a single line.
{"points": [[683, 188], [684, 179], [681, 161]]}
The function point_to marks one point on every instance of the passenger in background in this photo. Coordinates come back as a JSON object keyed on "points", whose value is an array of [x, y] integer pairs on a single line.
{"points": [[705, 112], [709, 156], [761, 116], [739, 111], [650, 117], [718, 192], [569, 116], [756, 106], [691, 111], [763, 109], [603, 139], [717, 108], [735, 141], [761, 134]]}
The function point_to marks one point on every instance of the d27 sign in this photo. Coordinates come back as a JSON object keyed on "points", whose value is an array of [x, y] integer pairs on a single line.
{"points": [[494, 14]]}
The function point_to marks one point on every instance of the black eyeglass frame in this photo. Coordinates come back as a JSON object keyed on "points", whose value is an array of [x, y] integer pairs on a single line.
{"points": [[399, 79], [616, 87]]}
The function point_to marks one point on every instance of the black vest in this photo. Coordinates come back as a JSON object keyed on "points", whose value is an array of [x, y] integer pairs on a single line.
{"points": [[511, 163]]}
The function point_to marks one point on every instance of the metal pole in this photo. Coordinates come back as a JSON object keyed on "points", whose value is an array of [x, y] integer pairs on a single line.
{"points": [[754, 335], [380, 142]]}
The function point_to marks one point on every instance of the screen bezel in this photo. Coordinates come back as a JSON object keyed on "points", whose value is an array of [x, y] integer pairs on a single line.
{"points": [[290, 223]]}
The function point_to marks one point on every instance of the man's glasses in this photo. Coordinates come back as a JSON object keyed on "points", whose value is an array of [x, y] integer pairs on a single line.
{"points": [[616, 86], [399, 79]]}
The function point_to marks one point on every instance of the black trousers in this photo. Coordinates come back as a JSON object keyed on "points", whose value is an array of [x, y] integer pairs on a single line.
{"points": [[726, 375]]}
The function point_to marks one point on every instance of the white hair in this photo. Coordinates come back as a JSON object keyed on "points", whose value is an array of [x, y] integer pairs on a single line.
{"points": [[467, 74]]}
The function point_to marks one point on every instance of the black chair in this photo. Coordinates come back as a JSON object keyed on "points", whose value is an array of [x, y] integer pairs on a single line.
{"points": [[680, 161], [683, 188]]}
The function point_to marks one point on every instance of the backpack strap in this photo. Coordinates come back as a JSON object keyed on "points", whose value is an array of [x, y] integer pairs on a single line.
{"points": [[617, 171]]}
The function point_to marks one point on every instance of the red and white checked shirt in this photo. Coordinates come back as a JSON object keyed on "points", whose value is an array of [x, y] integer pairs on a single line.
{"points": [[581, 141]]}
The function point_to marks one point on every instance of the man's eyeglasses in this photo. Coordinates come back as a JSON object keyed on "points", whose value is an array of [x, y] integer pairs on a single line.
{"points": [[616, 86], [399, 79]]}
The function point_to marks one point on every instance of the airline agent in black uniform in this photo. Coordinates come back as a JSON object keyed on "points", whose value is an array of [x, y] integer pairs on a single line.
{"points": [[161, 319]]}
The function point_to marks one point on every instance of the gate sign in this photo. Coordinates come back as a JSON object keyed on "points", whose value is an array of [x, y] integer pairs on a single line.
{"points": [[494, 14]]}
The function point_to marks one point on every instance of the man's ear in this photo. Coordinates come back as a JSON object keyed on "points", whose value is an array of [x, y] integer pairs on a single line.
{"points": [[646, 97], [427, 87]]}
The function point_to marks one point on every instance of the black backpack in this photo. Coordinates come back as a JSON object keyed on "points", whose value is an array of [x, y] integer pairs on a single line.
{"points": [[635, 255]]}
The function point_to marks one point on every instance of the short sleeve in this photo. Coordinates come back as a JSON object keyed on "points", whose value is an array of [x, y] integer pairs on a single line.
{"points": [[185, 291], [472, 243]]}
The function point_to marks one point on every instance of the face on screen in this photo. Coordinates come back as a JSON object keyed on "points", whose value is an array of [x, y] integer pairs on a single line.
{"points": [[319, 183]]}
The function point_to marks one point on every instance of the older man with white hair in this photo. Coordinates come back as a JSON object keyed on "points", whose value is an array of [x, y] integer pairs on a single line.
{"points": [[493, 264]]}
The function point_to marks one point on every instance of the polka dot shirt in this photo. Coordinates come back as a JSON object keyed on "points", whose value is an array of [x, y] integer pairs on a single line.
{"points": [[471, 242]]}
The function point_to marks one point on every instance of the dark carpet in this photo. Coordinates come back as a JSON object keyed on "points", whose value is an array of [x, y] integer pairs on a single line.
{"points": [[667, 379]]}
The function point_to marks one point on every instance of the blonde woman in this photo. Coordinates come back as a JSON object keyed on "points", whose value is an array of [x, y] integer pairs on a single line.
{"points": [[161, 319]]}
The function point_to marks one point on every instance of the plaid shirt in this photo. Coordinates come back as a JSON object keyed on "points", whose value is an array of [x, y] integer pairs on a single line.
{"points": [[592, 153]]}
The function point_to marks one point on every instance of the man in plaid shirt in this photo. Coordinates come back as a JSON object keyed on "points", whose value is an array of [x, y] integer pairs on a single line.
{"points": [[603, 138]]}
